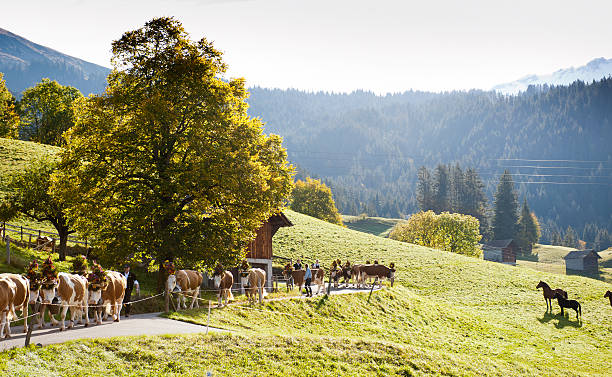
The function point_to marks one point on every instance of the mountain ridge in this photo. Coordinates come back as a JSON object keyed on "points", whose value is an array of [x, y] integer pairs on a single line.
{"points": [[595, 69], [25, 63]]}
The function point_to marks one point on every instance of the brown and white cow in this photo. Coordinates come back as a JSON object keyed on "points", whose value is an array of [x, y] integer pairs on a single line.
{"points": [[254, 283], [318, 277], [69, 292], [22, 295], [224, 280], [378, 271], [355, 274], [109, 297], [188, 283], [7, 308]]}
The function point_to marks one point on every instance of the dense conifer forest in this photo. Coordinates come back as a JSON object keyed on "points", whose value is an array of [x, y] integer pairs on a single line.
{"points": [[553, 140]]}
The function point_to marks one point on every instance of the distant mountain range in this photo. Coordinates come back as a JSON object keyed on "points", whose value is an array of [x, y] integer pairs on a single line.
{"points": [[25, 63], [596, 69]]}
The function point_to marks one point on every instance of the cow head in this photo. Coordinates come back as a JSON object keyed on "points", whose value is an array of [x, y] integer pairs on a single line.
{"points": [[171, 284], [608, 294], [34, 291], [94, 291], [48, 291]]}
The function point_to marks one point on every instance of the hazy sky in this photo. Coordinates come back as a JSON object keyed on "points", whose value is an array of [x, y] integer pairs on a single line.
{"points": [[342, 45]]}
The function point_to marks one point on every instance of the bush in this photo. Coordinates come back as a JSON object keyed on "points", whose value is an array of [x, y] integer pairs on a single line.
{"points": [[452, 232]]}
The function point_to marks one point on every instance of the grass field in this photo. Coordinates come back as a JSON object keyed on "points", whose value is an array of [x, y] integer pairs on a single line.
{"points": [[378, 226]]}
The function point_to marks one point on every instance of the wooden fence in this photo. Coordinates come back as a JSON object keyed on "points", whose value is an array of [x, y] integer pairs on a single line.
{"points": [[15, 231]]}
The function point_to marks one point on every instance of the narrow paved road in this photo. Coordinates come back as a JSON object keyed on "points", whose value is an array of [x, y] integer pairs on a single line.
{"points": [[138, 324]]}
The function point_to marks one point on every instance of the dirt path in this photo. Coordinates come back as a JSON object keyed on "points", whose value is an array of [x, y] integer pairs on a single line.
{"points": [[138, 324]]}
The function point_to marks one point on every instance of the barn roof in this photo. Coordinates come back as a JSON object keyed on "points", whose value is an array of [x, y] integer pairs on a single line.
{"points": [[500, 243], [579, 254], [278, 221]]}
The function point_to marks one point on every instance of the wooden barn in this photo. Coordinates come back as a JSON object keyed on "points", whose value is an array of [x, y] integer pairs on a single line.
{"points": [[502, 251], [582, 260], [260, 249]]}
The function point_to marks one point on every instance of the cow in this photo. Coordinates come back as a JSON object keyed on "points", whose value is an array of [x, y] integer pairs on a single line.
{"points": [[7, 308], [318, 277], [254, 282], [378, 271], [67, 291], [108, 297], [355, 274], [22, 295], [335, 273], [224, 280], [188, 283]]}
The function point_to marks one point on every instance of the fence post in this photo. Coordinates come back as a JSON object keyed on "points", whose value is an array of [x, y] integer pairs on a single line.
{"points": [[8, 250], [208, 318], [167, 295], [21, 229], [329, 284], [371, 289], [38, 233]]}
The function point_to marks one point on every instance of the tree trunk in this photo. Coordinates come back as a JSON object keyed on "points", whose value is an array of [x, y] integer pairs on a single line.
{"points": [[162, 276], [63, 234]]}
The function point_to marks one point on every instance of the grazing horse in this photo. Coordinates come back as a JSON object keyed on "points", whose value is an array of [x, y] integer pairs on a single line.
{"points": [[570, 304], [549, 293], [609, 295], [255, 283]]}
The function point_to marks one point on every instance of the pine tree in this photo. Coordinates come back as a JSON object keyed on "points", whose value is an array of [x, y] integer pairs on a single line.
{"points": [[528, 228], [475, 201], [441, 189], [424, 190], [571, 238], [556, 239], [505, 217]]}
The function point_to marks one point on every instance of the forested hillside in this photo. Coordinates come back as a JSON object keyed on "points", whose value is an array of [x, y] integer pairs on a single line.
{"points": [[554, 140]]}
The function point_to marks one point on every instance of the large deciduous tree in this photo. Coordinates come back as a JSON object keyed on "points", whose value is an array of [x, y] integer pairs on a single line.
{"points": [[9, 119], [166, 164], [452, 232], [505, 215], [314, 198], [47, 112], [28, 195]]}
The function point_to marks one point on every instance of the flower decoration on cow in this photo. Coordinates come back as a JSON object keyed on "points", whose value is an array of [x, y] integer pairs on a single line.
{"points": [[169, 267], [97, 277], [244, 268], [48, 272], [34, 275], [80, 265]]}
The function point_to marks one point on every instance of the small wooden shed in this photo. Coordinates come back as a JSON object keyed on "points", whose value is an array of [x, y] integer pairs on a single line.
{"points": [[260, 249], [582, 260], [502, 251]]}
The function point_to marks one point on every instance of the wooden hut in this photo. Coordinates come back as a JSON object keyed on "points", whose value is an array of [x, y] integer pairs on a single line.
{"points": [[582, 260], [502, 251], [260, 249]]}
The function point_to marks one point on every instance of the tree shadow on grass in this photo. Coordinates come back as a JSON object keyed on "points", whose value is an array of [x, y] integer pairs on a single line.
{"points": [[562, 320]]}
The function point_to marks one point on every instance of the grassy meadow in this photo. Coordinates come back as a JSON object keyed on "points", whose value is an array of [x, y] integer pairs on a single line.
{"points": [[378, 226]]}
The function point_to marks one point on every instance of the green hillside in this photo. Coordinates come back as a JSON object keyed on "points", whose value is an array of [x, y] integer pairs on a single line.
{"points": [[446, 315], [379, 226]]}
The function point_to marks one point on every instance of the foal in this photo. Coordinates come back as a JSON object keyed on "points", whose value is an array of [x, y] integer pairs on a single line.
{"points": [[609, 295], [549, 293], [570, 304]]}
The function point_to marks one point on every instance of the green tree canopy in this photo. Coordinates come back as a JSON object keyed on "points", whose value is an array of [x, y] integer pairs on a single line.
{"points": [[9, 119], [452, 232], [314, 198], [166, 164], [47, 112], [505, 215], [28, 195]]}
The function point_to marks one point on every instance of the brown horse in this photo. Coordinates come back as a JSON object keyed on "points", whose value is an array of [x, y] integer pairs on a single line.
{"points": [[609, 295], [549, 293]]}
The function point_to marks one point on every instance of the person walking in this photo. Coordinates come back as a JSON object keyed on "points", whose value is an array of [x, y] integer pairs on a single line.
{"points": [[308, 280], [131, 282]]}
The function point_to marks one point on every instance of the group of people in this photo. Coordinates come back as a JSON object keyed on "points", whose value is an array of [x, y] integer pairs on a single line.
{"points": [[308, 275]]}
